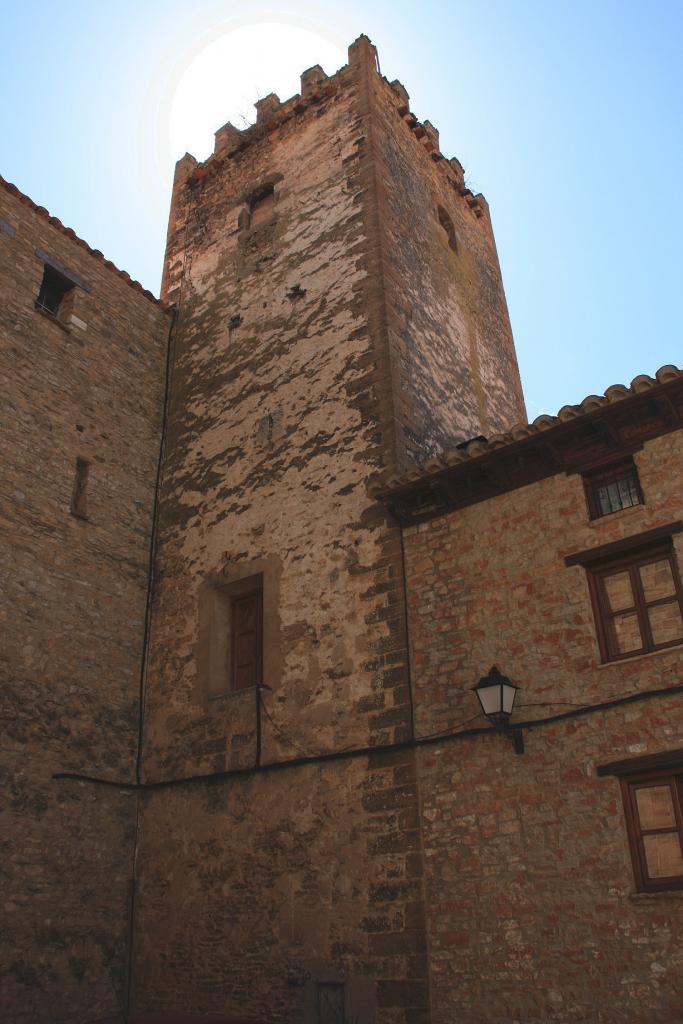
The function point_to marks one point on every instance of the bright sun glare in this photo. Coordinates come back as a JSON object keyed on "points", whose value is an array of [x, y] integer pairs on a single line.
{"points": [[221, 81]]}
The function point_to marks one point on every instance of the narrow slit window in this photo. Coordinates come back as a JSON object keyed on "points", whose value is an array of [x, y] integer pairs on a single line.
{"points": [[79, 495], [447, 225], [54, 289]]}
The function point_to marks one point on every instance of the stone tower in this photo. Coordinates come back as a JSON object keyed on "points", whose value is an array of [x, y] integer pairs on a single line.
{"points": [[247, 591], [340, 312]]}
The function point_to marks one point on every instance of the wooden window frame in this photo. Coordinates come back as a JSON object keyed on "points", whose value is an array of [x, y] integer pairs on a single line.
{"points": [[596, 478], [254, 591], [216, 639], [603, 614], [212, 646], [321, 988], [629, 786]]}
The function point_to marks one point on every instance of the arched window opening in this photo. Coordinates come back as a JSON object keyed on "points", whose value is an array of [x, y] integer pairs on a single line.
{"points": [[261, 204], [447, 224]]}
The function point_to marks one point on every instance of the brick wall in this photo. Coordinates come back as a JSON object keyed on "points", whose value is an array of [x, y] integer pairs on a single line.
{"points": [[529, 890], [72, 606]]}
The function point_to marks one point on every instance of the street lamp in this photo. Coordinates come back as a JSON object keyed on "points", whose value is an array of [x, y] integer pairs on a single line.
{"points": [[496, 696]]}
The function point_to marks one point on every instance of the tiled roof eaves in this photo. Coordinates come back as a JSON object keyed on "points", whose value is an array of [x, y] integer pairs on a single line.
{"points": [[70, 233], [543, 427]]}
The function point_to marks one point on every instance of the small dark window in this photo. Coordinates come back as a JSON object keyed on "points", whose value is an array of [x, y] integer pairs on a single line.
{"points": [[331, 1003], [79, 506], [654, 819], [246, 644], [53, 290], [638, 602], [612, 489], [447, 224]]}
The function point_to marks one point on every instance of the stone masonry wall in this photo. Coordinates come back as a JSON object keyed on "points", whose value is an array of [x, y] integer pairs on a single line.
{"points": [[454, 369], [274, 427], [72, 606], [280, 404], [531, 911], [340, 314], [528, 879], [317, 344], [254, 889]]}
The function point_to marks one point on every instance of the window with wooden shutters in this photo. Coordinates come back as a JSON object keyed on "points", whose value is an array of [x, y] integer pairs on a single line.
{"points": [[331, 1003], [638, 603], [247, 640], [230, 641]]}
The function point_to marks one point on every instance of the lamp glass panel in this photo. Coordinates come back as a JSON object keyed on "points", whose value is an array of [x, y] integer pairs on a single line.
{"points": [[489, 698], [508, 695]]}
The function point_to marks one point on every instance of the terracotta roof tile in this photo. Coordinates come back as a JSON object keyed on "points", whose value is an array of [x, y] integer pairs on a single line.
{"points": [[478, 448]]}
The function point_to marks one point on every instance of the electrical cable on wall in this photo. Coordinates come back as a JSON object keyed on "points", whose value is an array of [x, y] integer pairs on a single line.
{"points": [[349, 753]]}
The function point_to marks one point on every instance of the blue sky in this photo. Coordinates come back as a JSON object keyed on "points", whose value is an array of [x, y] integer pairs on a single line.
{"points": [[567, 116]]}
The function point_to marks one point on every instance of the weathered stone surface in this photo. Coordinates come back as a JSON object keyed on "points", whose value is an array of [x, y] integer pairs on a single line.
{"points": [[339, 319], [281, 878], [72, 605], [291, 385], [453, 364], [528, 879], [274, 426], [275, 423]]}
